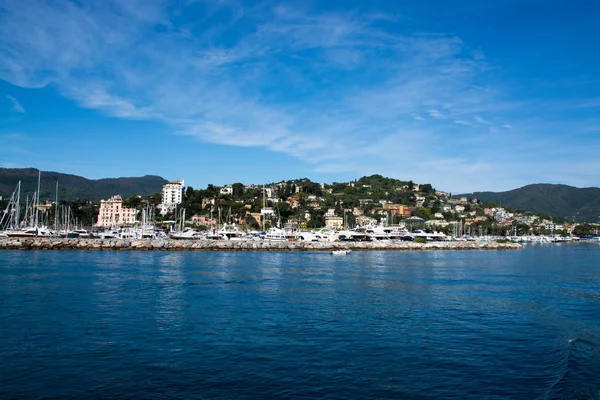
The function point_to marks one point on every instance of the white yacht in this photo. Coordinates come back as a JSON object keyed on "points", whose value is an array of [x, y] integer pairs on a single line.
{"points": [[187, 233], [431, 236], [275, 234], [307, 237], [231, 232], [28, 232], [326, 235]]}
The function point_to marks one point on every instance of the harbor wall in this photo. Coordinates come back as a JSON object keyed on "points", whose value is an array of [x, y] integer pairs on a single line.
{"points": [[224, 245]]}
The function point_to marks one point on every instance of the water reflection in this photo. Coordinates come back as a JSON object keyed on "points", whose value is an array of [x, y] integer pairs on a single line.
{"points": [[170, 286]]}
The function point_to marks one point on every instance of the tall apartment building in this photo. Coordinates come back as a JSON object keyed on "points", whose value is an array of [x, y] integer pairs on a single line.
{"points": [[172, 195], [112, 213]]}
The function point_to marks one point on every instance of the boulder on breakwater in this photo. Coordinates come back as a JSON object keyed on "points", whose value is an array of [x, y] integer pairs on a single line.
{"points": [[249, 245]]}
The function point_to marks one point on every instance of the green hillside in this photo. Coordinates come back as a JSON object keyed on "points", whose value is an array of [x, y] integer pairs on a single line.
{"points": [[579, 204], [73, 187]]}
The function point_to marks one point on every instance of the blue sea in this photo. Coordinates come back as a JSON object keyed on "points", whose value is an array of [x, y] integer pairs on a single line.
{"points": [[301, 325]]}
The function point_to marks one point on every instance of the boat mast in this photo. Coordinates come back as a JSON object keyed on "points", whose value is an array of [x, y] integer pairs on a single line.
{"points": [[183, 220], [37, 201], [18, 211], [27, 210], [9, 218], [218, 220], [56, 208]]}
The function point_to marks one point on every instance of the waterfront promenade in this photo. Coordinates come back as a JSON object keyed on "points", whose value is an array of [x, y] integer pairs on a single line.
{"points": [[234, 245]]}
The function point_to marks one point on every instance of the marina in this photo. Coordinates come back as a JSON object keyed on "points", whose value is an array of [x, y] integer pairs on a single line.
{"points": [[240, 245]]}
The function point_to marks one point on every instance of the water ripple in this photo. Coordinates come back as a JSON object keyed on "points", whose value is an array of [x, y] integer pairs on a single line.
{"points": [[419, 325]]}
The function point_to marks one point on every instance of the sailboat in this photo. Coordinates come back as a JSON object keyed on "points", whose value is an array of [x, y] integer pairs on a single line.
{"points": [[274, 233], [182, 232], [14, 226]]}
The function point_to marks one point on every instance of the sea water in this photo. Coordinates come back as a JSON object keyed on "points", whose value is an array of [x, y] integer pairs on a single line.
{"points": [[418, 325]]}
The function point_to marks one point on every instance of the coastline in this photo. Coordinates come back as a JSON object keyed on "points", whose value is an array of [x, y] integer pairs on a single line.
{"points": [[222, 245]]}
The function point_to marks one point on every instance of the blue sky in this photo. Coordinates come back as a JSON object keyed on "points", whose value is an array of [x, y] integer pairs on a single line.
{"points": [[465, 95]]}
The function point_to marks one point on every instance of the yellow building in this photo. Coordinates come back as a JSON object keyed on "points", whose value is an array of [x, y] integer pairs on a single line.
{"points": [[334, 222]]}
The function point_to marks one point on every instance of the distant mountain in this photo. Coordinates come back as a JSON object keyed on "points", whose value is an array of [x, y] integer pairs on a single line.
{"points": [[579, 204], [72, 187]]}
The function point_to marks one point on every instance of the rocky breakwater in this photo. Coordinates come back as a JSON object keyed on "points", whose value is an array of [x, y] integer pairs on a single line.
{"points": [[223, 245]]}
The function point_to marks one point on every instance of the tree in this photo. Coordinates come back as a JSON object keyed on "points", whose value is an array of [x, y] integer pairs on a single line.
{"points": [[189, 192], [211, 190], [424, 213], [338, 209], [312, 188], [315, 223], [238, 189], [132, 202], [586, 230], [426, 188], [251, 222], [490, 204]]}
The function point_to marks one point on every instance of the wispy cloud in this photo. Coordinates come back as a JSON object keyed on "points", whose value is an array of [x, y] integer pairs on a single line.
{"points": [[481, 120], [461, 122], [16, 106], [435, 114], [337, 90]]}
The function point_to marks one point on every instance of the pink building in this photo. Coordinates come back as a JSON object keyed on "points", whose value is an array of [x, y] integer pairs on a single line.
{"points": [[112, 213]]}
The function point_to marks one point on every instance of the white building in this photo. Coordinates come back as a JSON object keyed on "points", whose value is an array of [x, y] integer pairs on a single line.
{"points": [[227, 190], [112, 213], [554, 227], [172, 195], [267, 211]]}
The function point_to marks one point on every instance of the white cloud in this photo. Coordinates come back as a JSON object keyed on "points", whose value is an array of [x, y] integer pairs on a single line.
{"points": [[16, 106]]}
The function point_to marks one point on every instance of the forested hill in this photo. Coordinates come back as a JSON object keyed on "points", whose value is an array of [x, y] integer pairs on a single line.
{"points": [[579, 204], [72, 187]]}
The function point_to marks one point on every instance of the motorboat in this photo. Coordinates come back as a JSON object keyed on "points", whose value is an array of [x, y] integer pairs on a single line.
{"points": [[341, 252], [82, 233], [187, 233], [29, 232]]}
